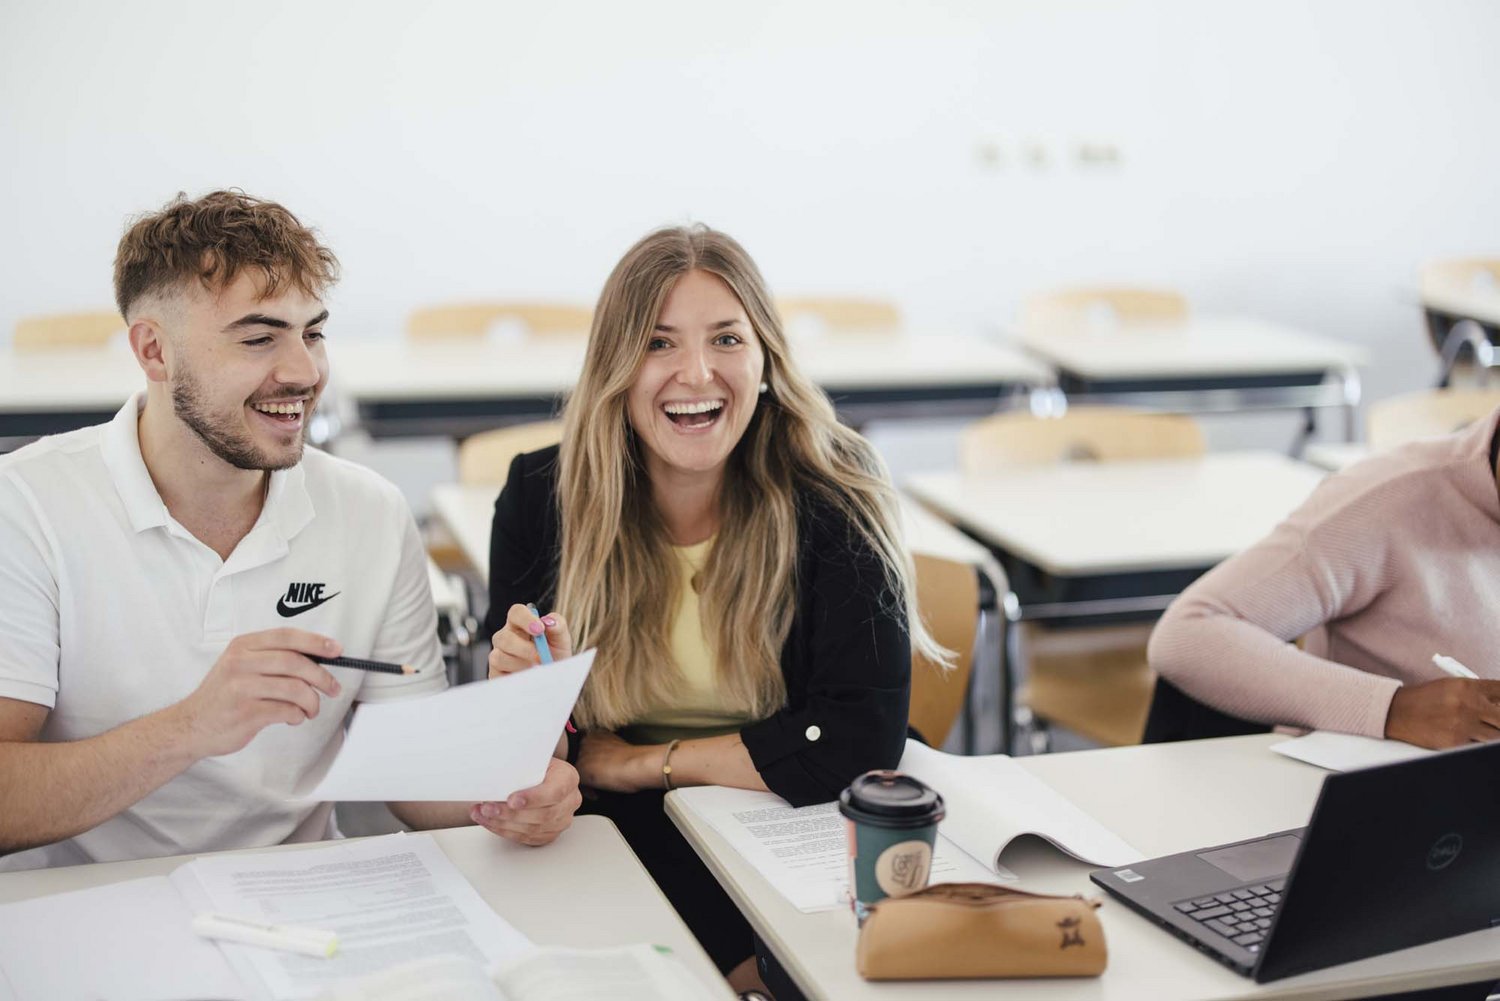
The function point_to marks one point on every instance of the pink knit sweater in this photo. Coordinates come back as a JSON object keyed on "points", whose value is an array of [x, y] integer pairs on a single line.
{"points": [[1396, 558]]}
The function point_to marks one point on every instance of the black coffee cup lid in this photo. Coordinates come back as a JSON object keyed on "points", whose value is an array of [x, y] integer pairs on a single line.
{"points": [[888, 798]]}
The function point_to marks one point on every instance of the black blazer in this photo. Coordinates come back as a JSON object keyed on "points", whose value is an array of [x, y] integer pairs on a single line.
{"points": [[847, 658]]}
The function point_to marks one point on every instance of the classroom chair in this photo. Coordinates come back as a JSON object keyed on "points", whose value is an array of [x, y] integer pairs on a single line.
{"points": [[1175, 715], [1427, 414], [1457, 278], [1075, 308], [1093, 680], [89, 329], [841, 315], [948, 601], [484, 458], [460, 320]]}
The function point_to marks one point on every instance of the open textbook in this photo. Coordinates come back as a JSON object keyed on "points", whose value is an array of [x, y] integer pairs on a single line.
{"points": [[389, 899], [990, 800], [633, 973]]}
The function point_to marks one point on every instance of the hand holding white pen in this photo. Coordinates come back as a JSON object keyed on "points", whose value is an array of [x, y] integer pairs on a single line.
{"points": [[1458, 709], [1453, 667]]}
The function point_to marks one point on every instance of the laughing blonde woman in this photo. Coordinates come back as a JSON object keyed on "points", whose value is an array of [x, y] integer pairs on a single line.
{"points": [[731, 550]]}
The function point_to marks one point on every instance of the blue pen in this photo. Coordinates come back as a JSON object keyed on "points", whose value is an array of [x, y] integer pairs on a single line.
{"points": [[544, 651]]}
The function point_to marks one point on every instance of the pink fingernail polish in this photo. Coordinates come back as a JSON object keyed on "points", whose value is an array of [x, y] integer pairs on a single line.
{"points": [[550, 622], [535, 627]]}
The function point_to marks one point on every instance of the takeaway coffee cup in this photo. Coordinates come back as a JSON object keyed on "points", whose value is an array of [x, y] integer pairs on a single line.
{"points": [[891, 820]]}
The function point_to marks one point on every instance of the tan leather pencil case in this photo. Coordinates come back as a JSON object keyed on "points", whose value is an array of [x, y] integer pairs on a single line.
{"points": [[981, 930]]}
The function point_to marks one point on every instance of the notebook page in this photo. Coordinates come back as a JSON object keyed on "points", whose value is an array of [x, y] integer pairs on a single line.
{"points": [[992, 801]]}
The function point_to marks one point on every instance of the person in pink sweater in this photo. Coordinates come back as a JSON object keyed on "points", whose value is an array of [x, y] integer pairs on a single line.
{"points": [[1387, 563]]}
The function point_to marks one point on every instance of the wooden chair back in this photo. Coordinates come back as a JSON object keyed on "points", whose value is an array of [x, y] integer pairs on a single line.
{"points": [[1459, 275], [1427, 414], [842, 314], [1081, 434], [948, 601], [67, 330], [460, 320], [484, 458], [1123, 307]]}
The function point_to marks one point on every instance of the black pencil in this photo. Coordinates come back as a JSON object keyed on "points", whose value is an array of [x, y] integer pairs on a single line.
{"points": [[378, 666]]}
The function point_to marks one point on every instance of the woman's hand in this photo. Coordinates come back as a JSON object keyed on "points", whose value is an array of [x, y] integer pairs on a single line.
{"points": [[515, 644], [534, 816], [1449, 712], [609, 762]]}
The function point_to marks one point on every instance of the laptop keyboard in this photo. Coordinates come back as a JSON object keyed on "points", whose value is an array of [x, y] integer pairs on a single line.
{"points": [[1243, 916]]}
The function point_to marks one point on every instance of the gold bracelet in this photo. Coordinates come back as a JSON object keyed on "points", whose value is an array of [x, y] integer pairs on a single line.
{"points": [[666, 765]]}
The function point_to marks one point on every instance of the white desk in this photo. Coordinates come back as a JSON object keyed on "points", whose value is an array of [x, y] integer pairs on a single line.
{"points": [[1209, 364], [1161, 798], [1083, 520], [48, 392], [458, 387], [587, 889]]}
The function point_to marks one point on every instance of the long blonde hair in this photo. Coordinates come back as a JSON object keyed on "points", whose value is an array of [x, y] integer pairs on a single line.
{"points": [[618, 582]]}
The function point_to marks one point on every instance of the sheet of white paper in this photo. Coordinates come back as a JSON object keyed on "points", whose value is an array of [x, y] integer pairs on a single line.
{"points": [[475, 742], [130, 941], [803, 851], [992, 801], [390, 899], [1340, 752]]}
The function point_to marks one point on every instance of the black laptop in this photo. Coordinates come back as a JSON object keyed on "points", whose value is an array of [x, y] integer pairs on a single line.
{"points": [[1394, 856]]}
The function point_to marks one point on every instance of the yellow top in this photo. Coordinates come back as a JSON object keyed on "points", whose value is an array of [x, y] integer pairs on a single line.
{"points": [[699, 709]]}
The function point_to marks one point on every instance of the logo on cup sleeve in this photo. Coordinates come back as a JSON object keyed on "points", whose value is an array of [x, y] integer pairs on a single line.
{"points": [[903, 867]]}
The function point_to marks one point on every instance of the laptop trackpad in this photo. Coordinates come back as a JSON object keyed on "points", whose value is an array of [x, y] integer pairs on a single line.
{"points": [[1257, 860]]}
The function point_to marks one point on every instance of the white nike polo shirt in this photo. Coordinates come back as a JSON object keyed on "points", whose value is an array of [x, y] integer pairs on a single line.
{"points": [[109, 610]]}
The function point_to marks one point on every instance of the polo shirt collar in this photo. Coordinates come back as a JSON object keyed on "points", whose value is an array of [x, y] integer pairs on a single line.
{"points": [[287, 510]]}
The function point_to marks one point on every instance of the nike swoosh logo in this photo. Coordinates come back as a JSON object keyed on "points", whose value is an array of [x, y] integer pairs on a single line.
{"points": [[287, 611]]}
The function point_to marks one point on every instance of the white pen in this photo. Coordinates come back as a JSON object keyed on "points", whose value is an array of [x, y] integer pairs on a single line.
{"points": [[290, 938], [1453, 667]]}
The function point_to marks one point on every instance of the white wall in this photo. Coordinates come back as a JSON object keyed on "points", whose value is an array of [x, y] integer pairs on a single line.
{"points": [[1290, 159]]}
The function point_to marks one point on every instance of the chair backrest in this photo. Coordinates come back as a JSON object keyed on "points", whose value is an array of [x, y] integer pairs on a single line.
{"points": [[541, 319], [1083, 307], [484, 458], [1081, 434], [1460, 275], [1427, 414], [1175, 715], [67, 330], [948, 601], [842, 315]]}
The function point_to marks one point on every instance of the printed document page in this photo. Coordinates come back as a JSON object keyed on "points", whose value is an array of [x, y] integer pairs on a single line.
{"points": [[130, 941], [803, 851], [1341, 752], [992, 801], [475, 742], [390, 899]]}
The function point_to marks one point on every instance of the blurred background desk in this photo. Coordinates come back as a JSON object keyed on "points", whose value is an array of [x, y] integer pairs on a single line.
{"points": [[457, 388], [1203, 364]]}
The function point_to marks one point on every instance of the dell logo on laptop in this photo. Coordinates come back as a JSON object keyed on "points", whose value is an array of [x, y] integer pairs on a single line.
{"points": [[1444, 851]]}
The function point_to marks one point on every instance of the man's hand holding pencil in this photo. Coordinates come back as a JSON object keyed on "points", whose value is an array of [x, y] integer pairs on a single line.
{"points": [[260, 679]]}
